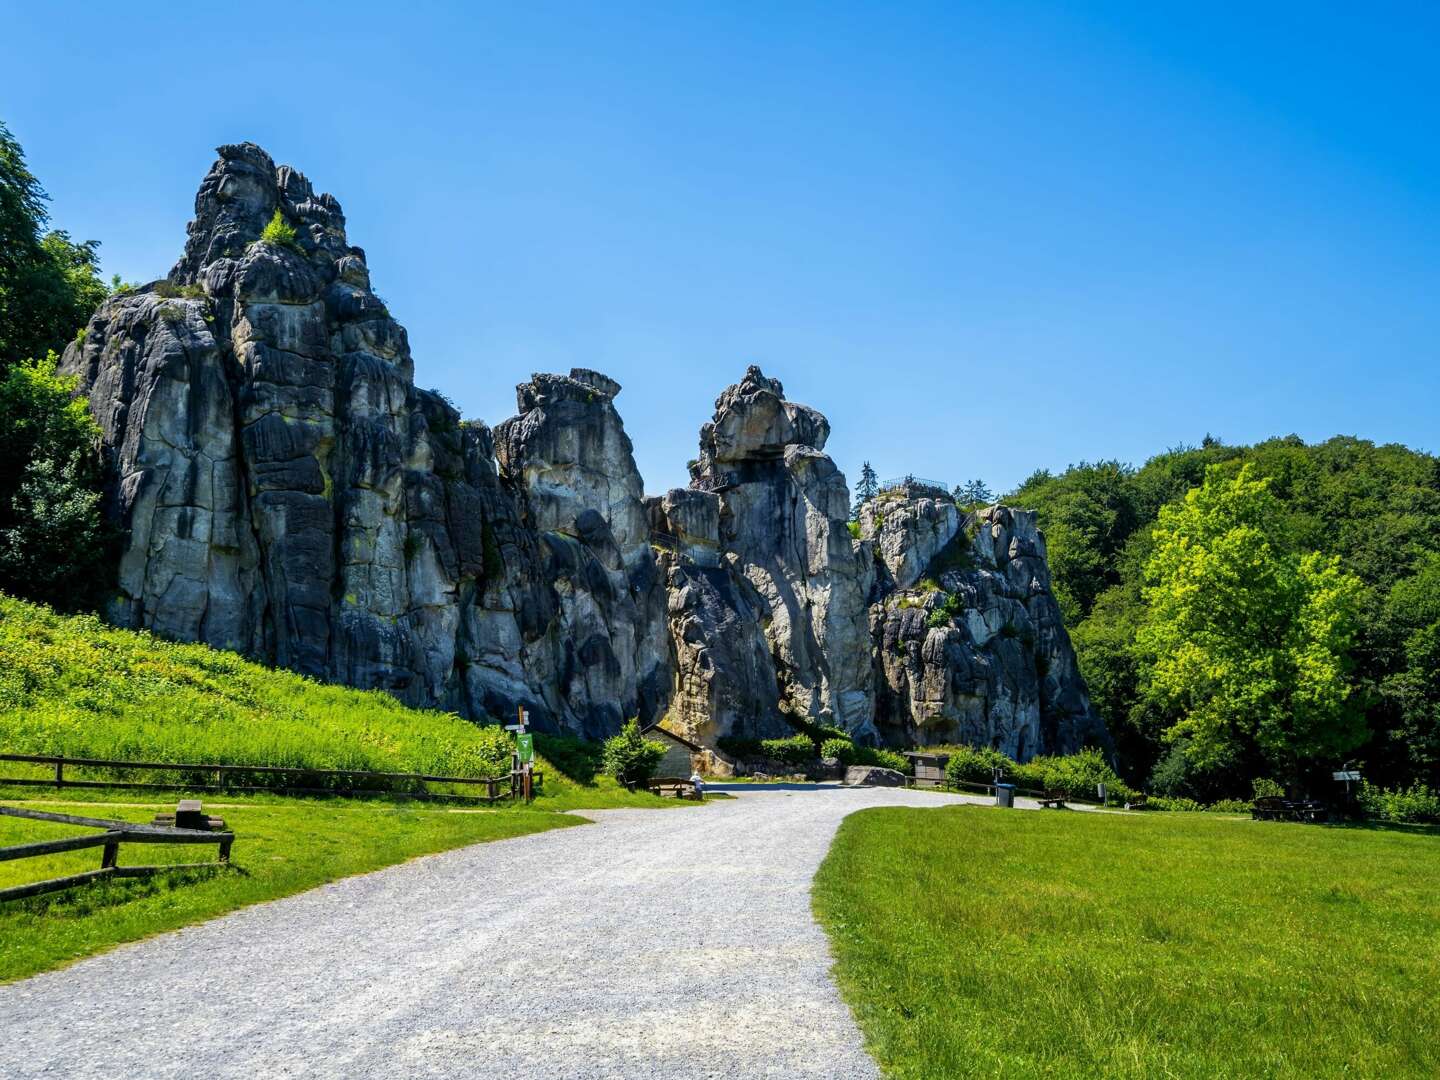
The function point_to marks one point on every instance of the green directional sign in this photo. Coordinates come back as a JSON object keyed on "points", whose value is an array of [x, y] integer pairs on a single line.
{"points": [[525, 748]]}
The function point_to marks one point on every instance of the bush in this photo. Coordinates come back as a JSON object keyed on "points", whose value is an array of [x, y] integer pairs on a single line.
{"points": [[977, 764], [1077, 775], [630, 757], [945, 612], [1161, 802], [796, 750], [1416, 804], [1229, 806], [280, 233], [1265, 788], [841, 749], [885, 759]]}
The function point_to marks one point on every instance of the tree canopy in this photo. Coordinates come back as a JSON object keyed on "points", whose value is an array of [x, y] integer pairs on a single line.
{"points": [[1374, 508], [49, 284]]}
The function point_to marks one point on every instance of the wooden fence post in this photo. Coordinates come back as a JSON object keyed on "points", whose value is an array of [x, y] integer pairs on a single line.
{"points": [[60, 771], [109, 855]]}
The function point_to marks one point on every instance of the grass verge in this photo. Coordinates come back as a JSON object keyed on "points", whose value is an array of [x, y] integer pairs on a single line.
{"points": [[976, 943], [281, 847]]}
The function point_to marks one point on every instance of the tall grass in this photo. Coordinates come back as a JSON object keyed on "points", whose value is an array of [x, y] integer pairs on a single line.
{"points": [[72, 685]]}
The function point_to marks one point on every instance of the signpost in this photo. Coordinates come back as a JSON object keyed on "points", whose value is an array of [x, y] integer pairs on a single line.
{"points": [[1347, 776], [523, 760]]}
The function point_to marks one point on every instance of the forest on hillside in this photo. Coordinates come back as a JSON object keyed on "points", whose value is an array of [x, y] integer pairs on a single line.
{"points": [[1244, 611]]}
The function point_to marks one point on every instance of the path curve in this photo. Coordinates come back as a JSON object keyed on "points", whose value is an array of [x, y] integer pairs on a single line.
{"points": [[674, 943]]}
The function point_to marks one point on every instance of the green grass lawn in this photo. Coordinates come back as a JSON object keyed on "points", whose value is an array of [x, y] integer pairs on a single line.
{"points": [[972, 942], [281, 847]]}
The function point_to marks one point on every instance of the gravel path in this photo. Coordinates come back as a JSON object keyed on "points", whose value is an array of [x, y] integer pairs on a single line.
{"points": [[675, 943]]}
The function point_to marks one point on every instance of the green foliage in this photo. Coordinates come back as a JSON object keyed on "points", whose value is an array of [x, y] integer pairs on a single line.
{"points": [[794, 750], [280, 233], [973, 494], [578, 759], [77, 687], [1415, 804], [885, 759], [1265, 788], [1247, 641], [630, 757], [49, 284], [1076, 775], [841, 749], [977, 765], [867, 488], [975, 943], [945, 611], [171, 291], [1376, 508], [54, 544], [854, 527]]}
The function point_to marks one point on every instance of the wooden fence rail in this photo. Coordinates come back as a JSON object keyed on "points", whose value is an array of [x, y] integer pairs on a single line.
{"points": [[113, 834], [496, 787]]}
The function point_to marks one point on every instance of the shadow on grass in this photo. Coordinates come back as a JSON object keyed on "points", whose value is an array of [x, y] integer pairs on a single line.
{"points": [[86, 899], [574, 758], [1388, 826]]}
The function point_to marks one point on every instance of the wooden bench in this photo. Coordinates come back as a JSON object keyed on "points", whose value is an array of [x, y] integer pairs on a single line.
{"points": [[1053, 800], [679, 786]]}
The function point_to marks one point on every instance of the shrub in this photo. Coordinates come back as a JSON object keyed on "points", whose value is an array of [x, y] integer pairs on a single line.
{"points": [[1416, 804], [1229, 806], [977, 764], [841, 749], [1076, 775], [630, 757], [944, 612], [885, 759], [854, 527], [280, 233], [1265, 788], [796, 750], [1161, 802]]}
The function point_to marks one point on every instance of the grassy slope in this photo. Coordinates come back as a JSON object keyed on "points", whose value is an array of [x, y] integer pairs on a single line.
{"points": [[75, 686], [972, 942], [281, 847]]}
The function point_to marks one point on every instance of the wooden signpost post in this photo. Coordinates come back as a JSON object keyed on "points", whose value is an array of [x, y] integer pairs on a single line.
{"points": [[523, 760]]}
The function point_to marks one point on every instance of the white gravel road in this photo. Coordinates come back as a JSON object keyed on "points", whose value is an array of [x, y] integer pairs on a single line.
{"points": [[675, 943]]}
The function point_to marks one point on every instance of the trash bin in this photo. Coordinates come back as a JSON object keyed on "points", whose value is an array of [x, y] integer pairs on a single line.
{"points": [[1004, 794]]}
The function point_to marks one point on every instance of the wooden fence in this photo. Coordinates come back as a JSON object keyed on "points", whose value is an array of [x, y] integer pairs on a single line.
{"points": [[113, 834], [496, 787]]}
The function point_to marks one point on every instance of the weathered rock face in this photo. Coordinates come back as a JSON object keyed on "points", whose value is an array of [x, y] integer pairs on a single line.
{"points": [[289, 493], [969, 640], [791, 582]]}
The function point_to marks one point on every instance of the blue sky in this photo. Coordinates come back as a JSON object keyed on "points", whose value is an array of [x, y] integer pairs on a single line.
{"points": [[982, 238]]}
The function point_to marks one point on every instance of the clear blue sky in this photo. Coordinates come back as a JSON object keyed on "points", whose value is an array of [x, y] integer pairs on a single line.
{"points": [[981, 238]]}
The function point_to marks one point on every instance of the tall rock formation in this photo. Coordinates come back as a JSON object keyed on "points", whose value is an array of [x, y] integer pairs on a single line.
{"points": [[792, 583], [288, 492], [969, 641]]}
